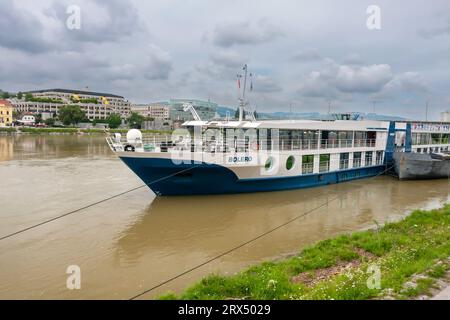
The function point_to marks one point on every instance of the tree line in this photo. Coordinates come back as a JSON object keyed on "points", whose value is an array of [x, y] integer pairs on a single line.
{"points": [[73, 114]]}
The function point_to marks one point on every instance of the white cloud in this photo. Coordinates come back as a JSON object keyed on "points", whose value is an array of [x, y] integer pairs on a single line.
{"points": [[362, 79], [334, 79]]}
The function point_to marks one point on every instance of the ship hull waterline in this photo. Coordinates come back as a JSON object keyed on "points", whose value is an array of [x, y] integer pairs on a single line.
{"points": [[165, 178]]}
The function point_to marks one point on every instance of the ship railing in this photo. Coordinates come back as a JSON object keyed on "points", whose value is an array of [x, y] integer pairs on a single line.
{"points": [[347, 143], [167, 143]]}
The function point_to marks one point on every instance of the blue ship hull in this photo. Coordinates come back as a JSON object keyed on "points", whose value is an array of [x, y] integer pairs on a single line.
{"points": [[165, 178]]}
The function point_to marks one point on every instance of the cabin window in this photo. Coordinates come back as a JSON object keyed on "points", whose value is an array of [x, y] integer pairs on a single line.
{"points": [[307, 164], [435, 138], [445, 138], [379, 157], [324, 163], [329, 139], [357, 159], [296, 137], [345, 139], [423, 138], [344, 158], [285, 139], [309, 139], [290, 162], [369, 156]]}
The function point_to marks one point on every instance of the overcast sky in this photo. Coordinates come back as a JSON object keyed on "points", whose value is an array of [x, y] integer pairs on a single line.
{"points": [[304, 53]]}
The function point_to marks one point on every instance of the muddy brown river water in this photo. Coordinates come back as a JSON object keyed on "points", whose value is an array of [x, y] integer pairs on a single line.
{"points": [[134, 242]]}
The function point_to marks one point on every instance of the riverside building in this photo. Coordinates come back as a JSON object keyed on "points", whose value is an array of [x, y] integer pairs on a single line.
{"points": [[96, 105]]}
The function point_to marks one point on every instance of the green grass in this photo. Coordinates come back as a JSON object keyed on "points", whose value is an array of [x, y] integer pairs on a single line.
{"points": [[123, 131], [8, 129], [438, 271], [48, 130], [400, 250], [71, 130]]}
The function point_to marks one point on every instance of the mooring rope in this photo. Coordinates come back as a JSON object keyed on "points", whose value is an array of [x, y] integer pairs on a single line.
{"points": [[90, 205], [245, 243]]}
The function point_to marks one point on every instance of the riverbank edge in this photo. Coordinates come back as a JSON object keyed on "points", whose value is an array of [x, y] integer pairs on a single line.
{"points": [[26, 130], [410, 258]]}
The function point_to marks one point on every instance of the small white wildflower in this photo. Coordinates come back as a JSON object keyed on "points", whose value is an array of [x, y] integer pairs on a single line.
{"points": [[271, 283]]}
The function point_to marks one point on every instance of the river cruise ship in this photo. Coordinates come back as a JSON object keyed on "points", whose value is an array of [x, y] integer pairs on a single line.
{"points": [[217, 157], [248, 155]]}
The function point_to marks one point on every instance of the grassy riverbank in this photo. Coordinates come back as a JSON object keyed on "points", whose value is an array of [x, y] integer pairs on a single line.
{"points": [[29, 130], [410, 254]]}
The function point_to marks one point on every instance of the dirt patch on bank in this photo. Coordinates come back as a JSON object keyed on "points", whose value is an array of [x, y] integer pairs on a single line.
{"points": [[310, 278]]}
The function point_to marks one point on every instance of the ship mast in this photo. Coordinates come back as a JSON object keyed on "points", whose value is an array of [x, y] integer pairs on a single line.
{"points": [[242, 102]]}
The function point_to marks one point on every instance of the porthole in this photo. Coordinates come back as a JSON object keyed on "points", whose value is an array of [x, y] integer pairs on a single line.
{"points": [[290, 162], [269, 163]]}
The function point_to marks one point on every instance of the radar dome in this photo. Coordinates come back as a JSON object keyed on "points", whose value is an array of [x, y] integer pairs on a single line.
{"points": [[134, 136]]}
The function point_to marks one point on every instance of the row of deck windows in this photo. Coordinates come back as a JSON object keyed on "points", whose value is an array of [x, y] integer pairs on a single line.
{"points": [[293, 140], [433, 149], [313, 139], [430, 138], [307, 163]]}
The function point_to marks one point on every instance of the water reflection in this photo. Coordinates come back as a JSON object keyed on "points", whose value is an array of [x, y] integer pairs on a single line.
{"points": [[193, 225], [6, 149], [24, 146], [137, 241]]}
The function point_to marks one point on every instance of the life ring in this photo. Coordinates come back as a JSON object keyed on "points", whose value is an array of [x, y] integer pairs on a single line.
{"points": [[129, 148]]}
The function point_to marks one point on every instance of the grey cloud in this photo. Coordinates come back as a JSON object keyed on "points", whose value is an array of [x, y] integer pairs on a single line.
{"points": [[159, 64], [222, 65], [19, 30], [101, 21], [265, 84], [229, 59], [353, 59], [111, 51], [336, 79], [410, 81], [306, 55], [317, 85], [435, 32], [404, 83], [227, 35]]}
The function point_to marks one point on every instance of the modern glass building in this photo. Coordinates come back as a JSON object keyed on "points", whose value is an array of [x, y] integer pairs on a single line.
{"points": [[205, 109]]}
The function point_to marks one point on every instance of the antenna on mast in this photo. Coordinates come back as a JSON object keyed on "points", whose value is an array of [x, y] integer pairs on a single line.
{"points": [[242, 102]]}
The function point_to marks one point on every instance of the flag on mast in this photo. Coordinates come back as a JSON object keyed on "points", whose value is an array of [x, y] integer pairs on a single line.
{"points": [[251, 81], [239, 81]]}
